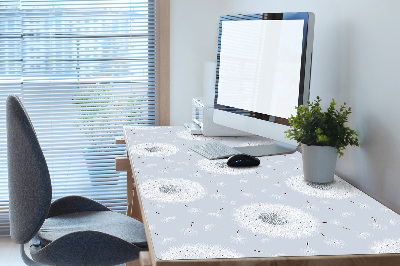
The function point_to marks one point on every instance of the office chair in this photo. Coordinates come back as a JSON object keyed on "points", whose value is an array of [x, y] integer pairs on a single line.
{"points": [[70, 231]]}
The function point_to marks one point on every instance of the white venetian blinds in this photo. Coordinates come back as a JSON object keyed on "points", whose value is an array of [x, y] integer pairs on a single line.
{"points": [[83, 69]]}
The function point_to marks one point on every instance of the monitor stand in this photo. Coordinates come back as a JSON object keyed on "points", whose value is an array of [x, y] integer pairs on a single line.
{"points": [[277, 148]]}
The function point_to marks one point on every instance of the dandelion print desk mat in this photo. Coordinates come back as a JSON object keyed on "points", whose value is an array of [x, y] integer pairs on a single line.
{"points": [[197, 208]]}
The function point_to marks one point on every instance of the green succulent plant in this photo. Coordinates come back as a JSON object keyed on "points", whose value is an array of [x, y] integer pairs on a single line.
{"points": [[312, 126]]}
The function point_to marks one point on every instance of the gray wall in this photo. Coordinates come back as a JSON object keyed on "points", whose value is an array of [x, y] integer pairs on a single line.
{"points": [[355, 60]]}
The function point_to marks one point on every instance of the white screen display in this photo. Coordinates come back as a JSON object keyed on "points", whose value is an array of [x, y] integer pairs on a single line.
{"points": [[260, 63]]}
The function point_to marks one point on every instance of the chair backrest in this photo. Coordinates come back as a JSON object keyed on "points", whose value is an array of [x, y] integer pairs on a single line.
{"points": [[29, 183]]}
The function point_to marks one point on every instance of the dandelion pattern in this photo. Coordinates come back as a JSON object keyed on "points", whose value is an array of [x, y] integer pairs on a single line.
{"points": [[334, 242], [308, 251], [172, 190], [185, 134], [198, 208], [154, 149], [276, 220], [199, 251], [386, 246]]}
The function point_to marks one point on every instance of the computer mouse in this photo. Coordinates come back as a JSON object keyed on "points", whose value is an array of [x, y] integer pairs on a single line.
{"points": [[242, 160]]}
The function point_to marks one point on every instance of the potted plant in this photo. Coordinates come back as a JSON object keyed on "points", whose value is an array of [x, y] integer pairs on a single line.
{"points": [[323, 135]]}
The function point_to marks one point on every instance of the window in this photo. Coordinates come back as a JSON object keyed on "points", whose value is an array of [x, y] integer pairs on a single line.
{"points": [[83, 69]]}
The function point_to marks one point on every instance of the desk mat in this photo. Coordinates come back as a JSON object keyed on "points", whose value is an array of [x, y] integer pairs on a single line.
{"points": [[198, 208]]}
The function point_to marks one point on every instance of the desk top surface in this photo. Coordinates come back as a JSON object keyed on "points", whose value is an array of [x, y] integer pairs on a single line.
{"points": [[197, 208]]}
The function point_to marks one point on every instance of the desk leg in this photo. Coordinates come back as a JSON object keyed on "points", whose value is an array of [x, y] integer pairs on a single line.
{"points": [[129, 193], [132, 197], [144, 260], [133, 210]]}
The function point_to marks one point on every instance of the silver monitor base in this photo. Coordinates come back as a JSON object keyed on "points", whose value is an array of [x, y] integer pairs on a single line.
{"points": [[277, 148]]}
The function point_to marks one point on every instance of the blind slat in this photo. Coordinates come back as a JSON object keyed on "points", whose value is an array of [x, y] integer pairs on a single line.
{"points": [[83, 70]]}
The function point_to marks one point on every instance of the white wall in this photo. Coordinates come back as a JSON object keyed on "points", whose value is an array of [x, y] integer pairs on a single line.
{"points": [[194, 41], [356, 59]]}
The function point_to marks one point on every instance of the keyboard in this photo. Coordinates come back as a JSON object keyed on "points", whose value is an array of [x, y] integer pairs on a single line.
{"points": [[214, 150]]}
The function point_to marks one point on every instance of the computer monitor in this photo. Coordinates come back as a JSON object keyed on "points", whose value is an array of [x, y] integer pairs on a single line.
{"points": [[263, 73]]}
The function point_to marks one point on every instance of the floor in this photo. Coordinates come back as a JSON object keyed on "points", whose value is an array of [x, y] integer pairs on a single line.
{"points": [[9, 253], [10, 256]]}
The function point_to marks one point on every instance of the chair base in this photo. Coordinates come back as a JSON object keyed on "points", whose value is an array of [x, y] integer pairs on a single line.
{"points": [[26, 259]]}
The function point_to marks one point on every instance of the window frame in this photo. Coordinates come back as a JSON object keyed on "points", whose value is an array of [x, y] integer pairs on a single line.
{"points": [[163, 88]]}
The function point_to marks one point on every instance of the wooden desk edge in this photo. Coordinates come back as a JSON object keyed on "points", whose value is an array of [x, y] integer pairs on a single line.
{"points": [[119, 140], [146, 226], [331, 260]]}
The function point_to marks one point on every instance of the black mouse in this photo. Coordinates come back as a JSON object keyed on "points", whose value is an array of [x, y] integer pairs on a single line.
{"points": [[242, 160]]}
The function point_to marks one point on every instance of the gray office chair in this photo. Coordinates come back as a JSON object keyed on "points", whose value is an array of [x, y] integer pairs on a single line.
{"points": [[70, 231]]}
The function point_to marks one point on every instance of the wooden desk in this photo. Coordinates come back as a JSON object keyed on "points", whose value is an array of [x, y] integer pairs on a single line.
{"points": [[194, 209]]}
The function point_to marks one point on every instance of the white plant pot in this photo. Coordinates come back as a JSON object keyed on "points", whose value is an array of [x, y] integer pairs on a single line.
{"points": [[319, 163]]}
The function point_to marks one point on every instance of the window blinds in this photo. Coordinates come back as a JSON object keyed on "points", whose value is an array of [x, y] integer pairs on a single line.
{"points": [[83, 69]]}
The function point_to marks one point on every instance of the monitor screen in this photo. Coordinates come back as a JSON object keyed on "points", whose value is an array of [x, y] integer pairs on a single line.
{"points": [[260, 63], [263, 71]]}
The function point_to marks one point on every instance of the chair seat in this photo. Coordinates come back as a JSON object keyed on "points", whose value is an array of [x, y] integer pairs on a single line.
{"points": [[108, 222]]}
